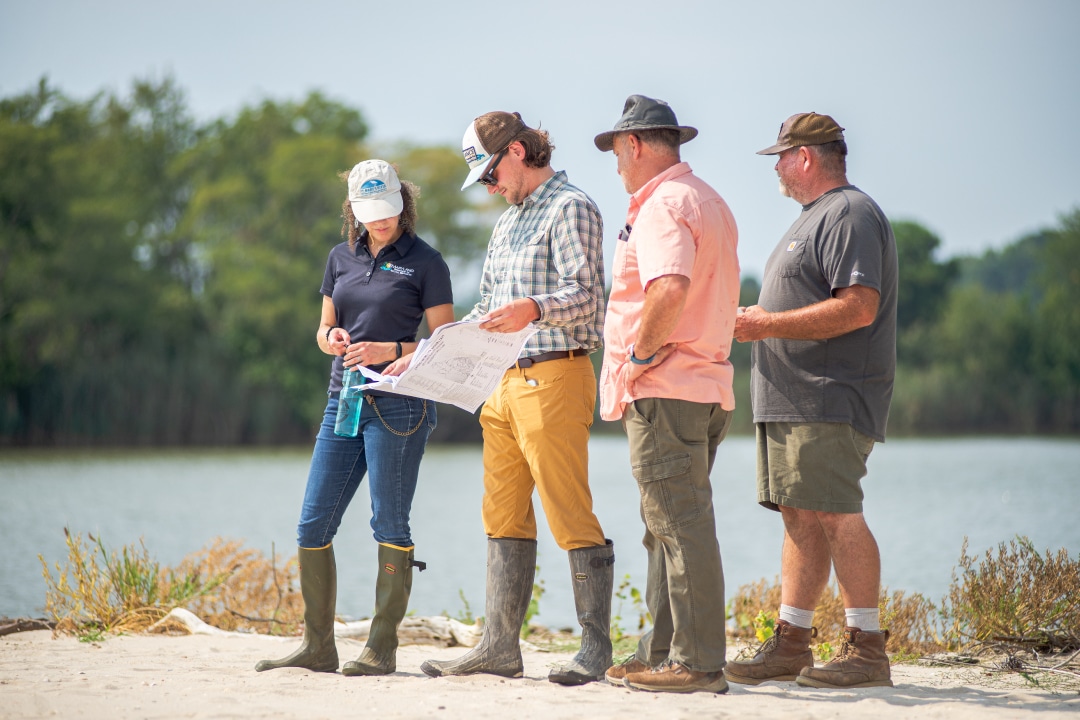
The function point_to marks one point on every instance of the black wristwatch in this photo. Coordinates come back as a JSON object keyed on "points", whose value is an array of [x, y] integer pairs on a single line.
{"points": [[398, 344]]}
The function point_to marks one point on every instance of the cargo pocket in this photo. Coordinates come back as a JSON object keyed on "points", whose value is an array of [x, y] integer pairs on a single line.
{"points": [[668, 498]]}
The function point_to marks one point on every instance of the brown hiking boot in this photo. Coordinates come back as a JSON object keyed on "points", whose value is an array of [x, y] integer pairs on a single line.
{"points": [[861, 662], [675, 677], [617, 673], [781, 657]]}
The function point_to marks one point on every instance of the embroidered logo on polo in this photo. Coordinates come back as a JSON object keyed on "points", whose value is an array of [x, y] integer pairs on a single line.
{"points": [[372, 187], [391, 267], [793, 244], [471, 156]]}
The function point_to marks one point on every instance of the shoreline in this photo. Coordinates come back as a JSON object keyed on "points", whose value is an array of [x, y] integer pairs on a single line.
{"points": [[212, 676]]}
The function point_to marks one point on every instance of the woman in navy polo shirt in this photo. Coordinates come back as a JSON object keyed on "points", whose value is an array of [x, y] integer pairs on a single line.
{"points": [[377, 287]]}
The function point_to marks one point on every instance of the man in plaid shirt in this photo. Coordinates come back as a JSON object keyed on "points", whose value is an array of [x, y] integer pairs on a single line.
{"points": [[544, 265]]}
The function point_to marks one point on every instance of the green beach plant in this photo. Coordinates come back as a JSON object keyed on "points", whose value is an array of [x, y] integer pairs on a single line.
{"points": [[96, 591], [623, 593], [1014, 595], [99, 591], [534, 605]]}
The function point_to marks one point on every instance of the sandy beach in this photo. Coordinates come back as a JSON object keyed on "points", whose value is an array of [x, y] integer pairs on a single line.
{"points": [[198, 676]]}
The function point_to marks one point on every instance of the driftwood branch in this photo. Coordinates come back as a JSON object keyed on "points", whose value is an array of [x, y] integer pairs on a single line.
{"points": [[9, 626], [442, 631]]}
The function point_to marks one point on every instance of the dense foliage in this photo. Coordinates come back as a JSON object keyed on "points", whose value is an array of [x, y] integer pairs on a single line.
{"points": [[159, 278], [159, 281]]}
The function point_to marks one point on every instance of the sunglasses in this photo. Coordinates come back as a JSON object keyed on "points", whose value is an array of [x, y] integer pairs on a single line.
{"points": [[488, 178]]}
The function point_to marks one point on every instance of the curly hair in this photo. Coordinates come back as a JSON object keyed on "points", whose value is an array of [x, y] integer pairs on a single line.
{"points": [[351, 228]]}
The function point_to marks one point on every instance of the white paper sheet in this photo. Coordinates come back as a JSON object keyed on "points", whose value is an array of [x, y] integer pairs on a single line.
{"points": [[460, 364]]}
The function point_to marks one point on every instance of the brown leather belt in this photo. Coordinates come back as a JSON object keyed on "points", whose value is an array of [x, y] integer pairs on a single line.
{"points": [[527, 362]]}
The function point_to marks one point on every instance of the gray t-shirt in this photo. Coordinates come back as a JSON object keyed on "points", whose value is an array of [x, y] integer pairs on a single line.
{"points": [[841, 239]]}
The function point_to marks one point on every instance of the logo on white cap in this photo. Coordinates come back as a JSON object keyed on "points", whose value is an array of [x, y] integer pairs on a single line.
{"points": [[372, 187], [475, 154], [471, 156]]}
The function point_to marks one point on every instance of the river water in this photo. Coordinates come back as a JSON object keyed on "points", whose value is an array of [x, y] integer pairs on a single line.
{"points": [[923, 497]]}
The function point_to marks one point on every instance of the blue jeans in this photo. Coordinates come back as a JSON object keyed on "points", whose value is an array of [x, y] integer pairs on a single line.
{"points": [[390, 457]]}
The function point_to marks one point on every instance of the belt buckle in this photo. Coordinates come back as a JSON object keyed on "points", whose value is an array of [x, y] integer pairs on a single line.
{"points": [[525, 363]]}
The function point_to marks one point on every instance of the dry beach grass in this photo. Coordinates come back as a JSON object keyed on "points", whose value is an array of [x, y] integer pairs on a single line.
{"points": [[1010, 626]]}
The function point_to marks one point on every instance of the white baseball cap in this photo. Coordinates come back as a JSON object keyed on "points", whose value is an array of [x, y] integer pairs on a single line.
{"points": [[374, 191], [497, 130]]}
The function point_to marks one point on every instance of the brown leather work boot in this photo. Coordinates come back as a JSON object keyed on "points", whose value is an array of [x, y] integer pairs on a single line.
{"points": [[675, 677], [781, 657], [861, 662], [617, 673]]}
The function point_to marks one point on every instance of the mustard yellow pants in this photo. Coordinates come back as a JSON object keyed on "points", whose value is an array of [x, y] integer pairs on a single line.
{"points": [[536, 435]]}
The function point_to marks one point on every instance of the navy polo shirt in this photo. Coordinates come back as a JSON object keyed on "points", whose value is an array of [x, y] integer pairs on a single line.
{"points": [[383, 299]]}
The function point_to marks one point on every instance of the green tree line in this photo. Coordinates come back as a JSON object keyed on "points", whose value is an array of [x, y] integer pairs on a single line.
{"points": [[985, 344], [159, 281], [159, 277]]}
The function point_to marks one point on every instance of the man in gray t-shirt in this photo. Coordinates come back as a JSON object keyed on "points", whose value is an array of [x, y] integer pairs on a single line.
{"points": [[824, 357]]}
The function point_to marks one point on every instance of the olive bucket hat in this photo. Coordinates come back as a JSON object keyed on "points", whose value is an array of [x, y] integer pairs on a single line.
{"points": [[645, 113]]}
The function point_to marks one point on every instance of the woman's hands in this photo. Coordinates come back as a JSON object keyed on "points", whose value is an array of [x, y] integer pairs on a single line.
{"points": [[336, 341], [368, 353]]}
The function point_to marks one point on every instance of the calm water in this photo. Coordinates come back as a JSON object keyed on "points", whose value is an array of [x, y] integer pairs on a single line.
{"points": [[923, 498]]}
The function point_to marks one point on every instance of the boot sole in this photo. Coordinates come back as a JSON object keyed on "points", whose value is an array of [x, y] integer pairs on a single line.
{"points": [[811, 682], [434, 671], [757, 681], [572, 679], [351, 670], [324, 669], [715, 688]]}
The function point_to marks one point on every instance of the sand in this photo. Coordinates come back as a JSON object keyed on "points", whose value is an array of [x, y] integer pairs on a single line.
{"points": [[198, 676]]}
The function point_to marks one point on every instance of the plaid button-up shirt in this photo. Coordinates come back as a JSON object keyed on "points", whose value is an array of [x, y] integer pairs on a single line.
{"points": [[550, 249]]}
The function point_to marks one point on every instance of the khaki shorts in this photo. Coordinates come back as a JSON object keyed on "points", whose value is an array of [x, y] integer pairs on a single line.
{"points": [[811, 466]]}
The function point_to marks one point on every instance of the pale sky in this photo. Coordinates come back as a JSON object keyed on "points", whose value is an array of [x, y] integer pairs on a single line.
{"points": [[959, 114]]}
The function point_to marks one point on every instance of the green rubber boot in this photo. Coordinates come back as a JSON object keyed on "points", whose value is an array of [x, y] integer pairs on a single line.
{"points": [[592, 570], [510, 572], [318, 585], [392, 589]]}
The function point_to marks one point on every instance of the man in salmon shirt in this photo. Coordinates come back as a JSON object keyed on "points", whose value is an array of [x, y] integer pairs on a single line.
{"points": [[666, 373]]}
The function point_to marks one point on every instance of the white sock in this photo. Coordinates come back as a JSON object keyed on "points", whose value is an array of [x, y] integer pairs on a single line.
{"points": [[866, 619], [797, 617]]}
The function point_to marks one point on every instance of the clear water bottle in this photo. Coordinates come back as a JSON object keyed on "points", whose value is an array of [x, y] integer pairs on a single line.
{"points": [[350, 401]]}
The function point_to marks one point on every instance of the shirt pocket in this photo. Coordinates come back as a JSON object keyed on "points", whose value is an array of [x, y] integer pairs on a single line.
{"points": [[791, 258], [534, 262]]}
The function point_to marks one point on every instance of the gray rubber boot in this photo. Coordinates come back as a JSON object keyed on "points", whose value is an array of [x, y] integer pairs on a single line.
{"points": [[511, 568], [318, 585], [592, 571], [392, 589]]}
